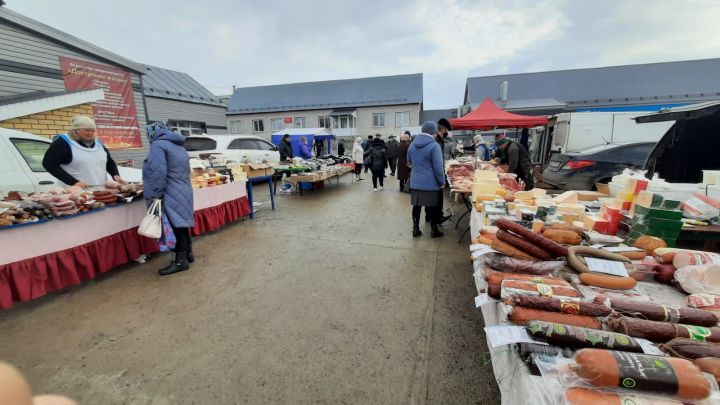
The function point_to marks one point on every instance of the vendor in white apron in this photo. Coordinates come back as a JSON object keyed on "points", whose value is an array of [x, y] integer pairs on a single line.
{"points": [[80, 159]]}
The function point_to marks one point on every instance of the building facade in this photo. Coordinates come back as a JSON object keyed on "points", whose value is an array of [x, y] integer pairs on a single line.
{"points": [[642, 87], [30, 63], [187, 106], [346, 108]]}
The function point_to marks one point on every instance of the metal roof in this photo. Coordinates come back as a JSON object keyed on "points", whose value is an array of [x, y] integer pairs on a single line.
{"points": [[35, 102], [371, 91], [684, 81], [65, 38], [166, 83]]}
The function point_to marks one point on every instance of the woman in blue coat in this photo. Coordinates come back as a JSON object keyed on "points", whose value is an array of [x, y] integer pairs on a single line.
{"points": [[166, 176], [427, 180]]}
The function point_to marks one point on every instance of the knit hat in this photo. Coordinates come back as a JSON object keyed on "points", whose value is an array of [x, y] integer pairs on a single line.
{"points": [[82, 122], [429, 127], [501, 139], [445, 123]]}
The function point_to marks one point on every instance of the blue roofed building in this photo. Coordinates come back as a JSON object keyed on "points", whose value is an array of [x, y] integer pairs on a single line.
{"points": [[182, 102], [642, 87], [344, 107]]}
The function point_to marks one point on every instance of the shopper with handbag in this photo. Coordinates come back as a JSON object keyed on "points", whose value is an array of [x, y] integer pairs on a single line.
{"points": [[166, 177]]}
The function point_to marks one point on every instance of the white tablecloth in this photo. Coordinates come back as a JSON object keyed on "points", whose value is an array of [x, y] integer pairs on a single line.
{"points": [[60, 234]]}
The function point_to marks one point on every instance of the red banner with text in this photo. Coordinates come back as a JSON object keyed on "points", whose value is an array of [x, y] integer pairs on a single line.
{"points": [[115, 116]]}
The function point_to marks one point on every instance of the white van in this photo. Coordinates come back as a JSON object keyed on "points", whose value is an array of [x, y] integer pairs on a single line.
{"points": [[21, 156]]}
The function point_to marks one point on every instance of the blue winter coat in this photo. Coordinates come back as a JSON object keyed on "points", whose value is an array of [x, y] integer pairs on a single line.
{"points": [[166, 175], [305, 151], [426, 159]]}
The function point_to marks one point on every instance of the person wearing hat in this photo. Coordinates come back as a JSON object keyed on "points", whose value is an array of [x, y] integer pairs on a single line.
{"points": [[517, 159], [392, 153], [427, 179], [79, 158]]}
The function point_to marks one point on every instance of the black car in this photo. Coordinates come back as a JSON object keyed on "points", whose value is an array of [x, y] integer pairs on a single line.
{"points": [[581, 170]]}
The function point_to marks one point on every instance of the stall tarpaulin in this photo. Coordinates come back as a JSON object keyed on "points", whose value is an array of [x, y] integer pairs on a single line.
{"points": [[311, 134], [116, 115], [489, 116]]}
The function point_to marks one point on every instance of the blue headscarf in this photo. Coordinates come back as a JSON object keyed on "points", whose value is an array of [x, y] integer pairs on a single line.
{"points": [[155, 129]]}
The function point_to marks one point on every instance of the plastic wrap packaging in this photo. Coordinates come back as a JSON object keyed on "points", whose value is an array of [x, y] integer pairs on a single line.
{"points": [[560, 305], [512, 265], [701, 207], [522, 316], [636, 374], [708, 302], [663, 313], [690, 349], [584, 396], [508, 288], [699, 279], [579, 337]]}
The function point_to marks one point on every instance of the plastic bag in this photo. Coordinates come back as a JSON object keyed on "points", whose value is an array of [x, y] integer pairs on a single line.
{"points": [[699, 279], [512, 265], [584, 396], [167, 239], [701, 207], [637, 374]]}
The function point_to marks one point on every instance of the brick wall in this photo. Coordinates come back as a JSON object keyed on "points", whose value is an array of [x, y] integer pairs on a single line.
{"points": [[48, 123]]}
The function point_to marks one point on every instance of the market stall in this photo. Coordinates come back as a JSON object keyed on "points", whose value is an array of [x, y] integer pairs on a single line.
{"points": [[46, 255], [311, 174], [587, 300]]}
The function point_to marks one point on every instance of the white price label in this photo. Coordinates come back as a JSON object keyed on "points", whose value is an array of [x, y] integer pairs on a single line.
{"points": [[649, 348], [483, 299], [506, 335], [619, 249], [610, 267]]}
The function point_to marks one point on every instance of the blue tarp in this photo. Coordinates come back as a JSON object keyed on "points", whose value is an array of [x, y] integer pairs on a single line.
{"points": [[311, 138]]}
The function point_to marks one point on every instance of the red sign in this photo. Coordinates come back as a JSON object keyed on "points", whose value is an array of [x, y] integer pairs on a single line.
{"points": [[288, 120], [115, 116]]}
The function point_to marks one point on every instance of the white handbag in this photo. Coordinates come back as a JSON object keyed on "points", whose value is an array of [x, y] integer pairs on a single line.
{"points": [[151, 225]]}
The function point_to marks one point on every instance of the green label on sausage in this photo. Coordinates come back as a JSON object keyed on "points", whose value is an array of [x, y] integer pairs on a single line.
{"points": [[698, 332], [641, 372]]}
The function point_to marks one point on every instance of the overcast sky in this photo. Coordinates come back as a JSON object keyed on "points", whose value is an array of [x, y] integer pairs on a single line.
{"points": [[249, 43]]}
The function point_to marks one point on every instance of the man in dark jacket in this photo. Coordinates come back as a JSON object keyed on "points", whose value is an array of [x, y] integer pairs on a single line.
{"points": [[517, 159], [377, 160], [285, 148], [392, 153], [366, 145], [341, 148], [443, 128]]}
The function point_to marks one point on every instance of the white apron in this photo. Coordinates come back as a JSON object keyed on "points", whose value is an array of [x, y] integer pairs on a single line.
{"points": [[88, 165]]}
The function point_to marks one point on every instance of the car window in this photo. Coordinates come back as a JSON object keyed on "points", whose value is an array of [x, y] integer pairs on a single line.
{"points": [[195, 144], [32, 151], [244, 144], [635, 154], [265, 145]]}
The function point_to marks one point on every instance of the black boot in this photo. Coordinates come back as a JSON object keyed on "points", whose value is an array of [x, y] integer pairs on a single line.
{"points": [[416, 228], [190, 255], [179, 264], [435, 232], [444, 219]]}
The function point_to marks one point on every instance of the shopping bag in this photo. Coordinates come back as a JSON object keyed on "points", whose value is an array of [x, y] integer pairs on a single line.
{"points": [[407, 185], [151, 225], [167, 240]]}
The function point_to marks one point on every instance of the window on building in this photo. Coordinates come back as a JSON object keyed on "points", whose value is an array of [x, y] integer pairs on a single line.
{"points": [[277, 124], [186, 128], [300, 122], [378, 120], [235, 127], [33, 152], [325, 122], [402, 119], [344, 121], [258, 126]]}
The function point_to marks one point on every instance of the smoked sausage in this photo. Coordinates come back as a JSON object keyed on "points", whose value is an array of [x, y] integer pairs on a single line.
{"points": [[690, 349], [560, 305], [662, 331], [578, 337], [523, 245], [521, 316], [662, 313], [542, 242]]}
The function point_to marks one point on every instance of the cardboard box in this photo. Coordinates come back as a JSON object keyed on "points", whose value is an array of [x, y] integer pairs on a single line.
{"points": [[253, 170], [590, 195], [569, 197]]}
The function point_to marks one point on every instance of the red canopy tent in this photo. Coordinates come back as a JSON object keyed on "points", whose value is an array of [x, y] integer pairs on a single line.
{"points": [[489, 116]]}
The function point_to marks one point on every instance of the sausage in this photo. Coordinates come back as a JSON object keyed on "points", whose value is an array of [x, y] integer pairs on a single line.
{"points": [[690, 349], [709, 365], [543, 290], [584, 396], [539, 240], [560, 305], [523, 245], [497, 277], [521, 316], [607, 281], [635, 255], [578, 337], [513, 265], [662, 331], [662, 313], [642, 373], [509, 250], [566, 237], [580, 266]]}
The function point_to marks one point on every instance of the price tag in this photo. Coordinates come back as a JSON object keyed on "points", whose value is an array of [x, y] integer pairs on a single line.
{"points": [[483, 299], [610, 267], [619, 249], [597, 245], [649, 348], [506, 335], [482, 250]]}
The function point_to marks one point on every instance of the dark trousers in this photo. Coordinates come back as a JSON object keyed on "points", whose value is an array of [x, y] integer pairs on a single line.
{"points": [[376, 177], [183, 242], [428, 216], [358, 168], [393, 164], [402, 184], [433, 213]]}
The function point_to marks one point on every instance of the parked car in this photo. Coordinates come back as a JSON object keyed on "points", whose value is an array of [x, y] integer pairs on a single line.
{"points": [[234, 147], [21, 156], [581, 170]]}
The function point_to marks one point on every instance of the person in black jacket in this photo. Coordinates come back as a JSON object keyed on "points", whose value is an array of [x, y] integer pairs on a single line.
{"points": [[517, 159], [341, 148], [285, 148], [377, 160], [366, 146], [392, 153]]}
